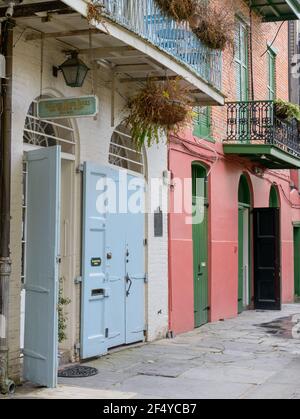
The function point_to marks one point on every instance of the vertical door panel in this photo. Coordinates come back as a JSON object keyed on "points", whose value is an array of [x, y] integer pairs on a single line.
{"points": [[246, 251], [267, 266], [115, 265], [241, 261], [41, 334], [297, 260], [135, 266], [200, 245], [94, 290]]}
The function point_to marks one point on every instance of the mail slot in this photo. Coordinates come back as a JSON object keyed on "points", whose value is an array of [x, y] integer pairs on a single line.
{"points": [[98, 293]]}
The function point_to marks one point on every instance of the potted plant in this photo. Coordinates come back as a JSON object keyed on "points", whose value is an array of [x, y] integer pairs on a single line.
{"points": [[157, 109], [286, 111], [214, 26], [177, 9]]}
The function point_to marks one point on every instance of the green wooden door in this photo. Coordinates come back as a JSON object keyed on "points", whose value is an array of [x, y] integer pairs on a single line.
{"points": [[297, 260], [241, 261], [200, 245]]}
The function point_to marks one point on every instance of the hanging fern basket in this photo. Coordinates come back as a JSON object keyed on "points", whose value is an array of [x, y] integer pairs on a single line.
{"points": [[177, 9], [158, 109], [213, 26]]}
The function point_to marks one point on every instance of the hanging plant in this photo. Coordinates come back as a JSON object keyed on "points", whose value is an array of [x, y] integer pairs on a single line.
{"points": [[286, 111], [159, 108], [177, 9], [95, 12], [213, 26]]}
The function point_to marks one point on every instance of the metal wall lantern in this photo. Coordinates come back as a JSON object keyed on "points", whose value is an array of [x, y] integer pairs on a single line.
{"points": [[74, 70]]}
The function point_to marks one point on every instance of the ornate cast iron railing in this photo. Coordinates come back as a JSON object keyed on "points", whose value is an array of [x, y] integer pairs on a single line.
{"points": [[144, 19], [255, 122]]}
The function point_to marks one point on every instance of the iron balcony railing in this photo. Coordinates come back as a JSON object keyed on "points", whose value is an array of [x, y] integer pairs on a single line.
{"points": [[143, 18], [255, 122]]}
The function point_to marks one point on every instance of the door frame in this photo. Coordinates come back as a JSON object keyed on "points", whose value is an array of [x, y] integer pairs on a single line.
{"points": [[276, 305], [248, 290], [106, 170], [244, 182]]}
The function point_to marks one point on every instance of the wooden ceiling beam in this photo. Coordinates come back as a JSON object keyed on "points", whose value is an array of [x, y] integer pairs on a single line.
{"points": [[35, 36], [28, 10]]}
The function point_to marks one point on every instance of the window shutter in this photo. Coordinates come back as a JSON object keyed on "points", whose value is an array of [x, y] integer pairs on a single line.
{"points": [[241, 61], [202, 122], [272, 74]]}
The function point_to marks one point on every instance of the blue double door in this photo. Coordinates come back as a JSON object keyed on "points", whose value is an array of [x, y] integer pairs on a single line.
{"points": [[112, 263], [113, 280]]}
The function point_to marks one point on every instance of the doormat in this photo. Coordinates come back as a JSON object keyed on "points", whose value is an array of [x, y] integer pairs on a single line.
{"points": [[77, 371]]}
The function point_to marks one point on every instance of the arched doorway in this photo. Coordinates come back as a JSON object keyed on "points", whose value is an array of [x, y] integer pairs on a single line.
{"points": [[244, 202], [200, 243], [48, 249]]}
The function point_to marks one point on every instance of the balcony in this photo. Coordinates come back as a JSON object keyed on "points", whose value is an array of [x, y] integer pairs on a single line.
{"points": [[255, 132], [277, 10], [165, 47]]}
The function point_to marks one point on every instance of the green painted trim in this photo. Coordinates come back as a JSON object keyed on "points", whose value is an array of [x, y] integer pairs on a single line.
{"points": [[274, 201], [277, 15], [271, 48], [240, 16], [257, 150], [209, 138], [296, 234], [296, 223]]}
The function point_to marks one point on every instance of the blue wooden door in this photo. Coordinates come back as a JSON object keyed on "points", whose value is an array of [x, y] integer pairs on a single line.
{"points": [[135, 263], [42, 267], [113, 238]]}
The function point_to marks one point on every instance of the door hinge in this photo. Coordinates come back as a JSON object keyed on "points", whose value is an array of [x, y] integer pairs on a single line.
{"points": [[146, 328], [145, 242], [79, 169], [106, 333], [58, 259], [77, 346], [146, 279], [78, 280]]}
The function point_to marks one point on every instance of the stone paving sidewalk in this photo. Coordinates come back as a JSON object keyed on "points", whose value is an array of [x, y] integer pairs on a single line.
{"points": [[237, 359]]}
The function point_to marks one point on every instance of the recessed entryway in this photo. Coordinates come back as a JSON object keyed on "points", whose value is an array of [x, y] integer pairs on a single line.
{"points": [[267, 254]]}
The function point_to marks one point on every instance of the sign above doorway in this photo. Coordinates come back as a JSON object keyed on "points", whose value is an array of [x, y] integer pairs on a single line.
{"points": [[76, 107]]}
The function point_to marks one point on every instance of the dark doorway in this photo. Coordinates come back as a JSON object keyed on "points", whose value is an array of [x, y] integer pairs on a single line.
{"points": [[267, 267]]}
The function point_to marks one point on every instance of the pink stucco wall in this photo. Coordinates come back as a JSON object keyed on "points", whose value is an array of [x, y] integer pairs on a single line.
{"points": [[224, 180]]}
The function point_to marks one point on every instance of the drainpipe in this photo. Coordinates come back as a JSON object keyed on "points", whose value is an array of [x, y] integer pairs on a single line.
{"points": [[6, 47]]}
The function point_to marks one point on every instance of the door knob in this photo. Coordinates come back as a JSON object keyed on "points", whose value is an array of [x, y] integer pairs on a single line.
{"points": [[109, 255]]}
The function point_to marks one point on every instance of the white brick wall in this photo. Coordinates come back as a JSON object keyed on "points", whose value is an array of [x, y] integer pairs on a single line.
{"points": [[93, 139]]}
